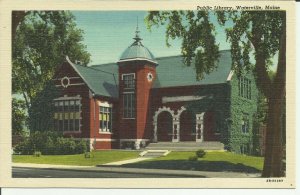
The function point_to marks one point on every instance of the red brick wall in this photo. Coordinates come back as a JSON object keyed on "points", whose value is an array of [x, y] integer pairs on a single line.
{"points": [[90, 124], [94, 121], [143, 93], [127, 127], [106, 145], [135, 128], [82, 91]]}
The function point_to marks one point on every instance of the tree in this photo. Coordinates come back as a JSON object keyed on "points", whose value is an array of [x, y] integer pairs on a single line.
{"points": [[18, 116], [41, 41], [258, 33]]}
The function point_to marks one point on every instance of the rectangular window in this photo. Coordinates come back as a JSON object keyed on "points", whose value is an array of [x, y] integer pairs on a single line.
{"points": [[67, 115], [105, 119], [245, 124], [129, 82], [129, 105], [244, 87]]}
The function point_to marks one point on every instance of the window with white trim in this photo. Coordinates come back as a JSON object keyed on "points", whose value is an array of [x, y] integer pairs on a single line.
{"points": [[67, 115], [105, 119], [129, 105], [129, 80]]}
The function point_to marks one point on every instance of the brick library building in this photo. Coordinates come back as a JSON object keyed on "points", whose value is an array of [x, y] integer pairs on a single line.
{"points": [[142, 100]]}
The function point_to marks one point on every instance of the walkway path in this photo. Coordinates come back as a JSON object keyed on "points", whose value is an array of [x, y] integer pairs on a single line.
{"points": [[123, 162]]}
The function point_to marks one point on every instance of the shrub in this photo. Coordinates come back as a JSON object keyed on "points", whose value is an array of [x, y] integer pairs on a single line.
{"points": [[50, 146], [50, 143], [200, 153], [65, 146], [193, 158], [81, 146], [88, 155], [24, 148], [37, 154]]}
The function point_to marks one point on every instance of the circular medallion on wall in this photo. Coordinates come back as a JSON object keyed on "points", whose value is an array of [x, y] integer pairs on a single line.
{"points": [[149, 76], [65, 82]]}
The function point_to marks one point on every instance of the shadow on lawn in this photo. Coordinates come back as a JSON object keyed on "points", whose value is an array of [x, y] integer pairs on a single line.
{"points": [[194, 165]]}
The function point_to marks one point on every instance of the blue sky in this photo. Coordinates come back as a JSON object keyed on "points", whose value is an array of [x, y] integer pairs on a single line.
{"points": [[108, 33]]}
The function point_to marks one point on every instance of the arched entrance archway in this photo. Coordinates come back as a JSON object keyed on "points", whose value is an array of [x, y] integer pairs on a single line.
{"points": [[210, 127], [164, 126], [187, 126]]}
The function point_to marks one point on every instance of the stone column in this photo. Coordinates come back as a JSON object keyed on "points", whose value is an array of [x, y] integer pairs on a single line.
{"points": [[176, 130], [199, 127], [155, 132], [137, 144]]}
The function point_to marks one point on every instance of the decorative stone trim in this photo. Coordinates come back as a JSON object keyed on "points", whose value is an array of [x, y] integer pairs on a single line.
{"points": [[176, 124], [180, 111], [160, 110], [136, 142], [199, 127]]}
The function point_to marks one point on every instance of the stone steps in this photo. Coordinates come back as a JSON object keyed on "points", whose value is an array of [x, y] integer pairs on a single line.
{"points": [[154, 153], [185, 146]]}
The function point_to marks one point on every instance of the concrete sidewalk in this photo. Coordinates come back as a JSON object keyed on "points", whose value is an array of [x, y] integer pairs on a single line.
{"points": [[50, 166], [123, 162], [163, 172]]}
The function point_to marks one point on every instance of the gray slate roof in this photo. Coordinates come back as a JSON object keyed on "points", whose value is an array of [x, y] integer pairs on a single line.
{"points": [[102, 81], [171, 72]]}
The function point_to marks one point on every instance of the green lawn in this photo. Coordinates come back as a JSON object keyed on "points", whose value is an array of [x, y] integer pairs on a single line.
{"points": [[100, 157], [212, 161]]}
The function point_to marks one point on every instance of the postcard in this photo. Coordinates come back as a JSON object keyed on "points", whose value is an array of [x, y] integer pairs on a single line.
{"points": [[152, 94]]}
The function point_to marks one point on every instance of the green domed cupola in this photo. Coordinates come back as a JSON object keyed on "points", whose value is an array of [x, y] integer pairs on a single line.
{"points": [[137, 51]]}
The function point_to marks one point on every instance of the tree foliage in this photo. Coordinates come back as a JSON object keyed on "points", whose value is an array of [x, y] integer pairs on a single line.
{"points": [[261, 34], [198, 37], [18, 116], [42, 110], [41, 41]]}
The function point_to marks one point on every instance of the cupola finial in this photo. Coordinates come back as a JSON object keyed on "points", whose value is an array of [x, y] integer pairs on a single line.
{"points": [[137, 37]]}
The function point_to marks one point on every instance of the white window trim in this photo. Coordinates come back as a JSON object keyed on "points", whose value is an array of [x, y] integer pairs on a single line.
{"points": [[127, 92], [107, 130], [105, 104], [127, 75]]}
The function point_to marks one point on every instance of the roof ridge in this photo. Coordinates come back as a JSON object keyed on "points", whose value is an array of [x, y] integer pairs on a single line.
{"points": [[162, 57], [180, 55], [100, 70], [106, 64]]}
